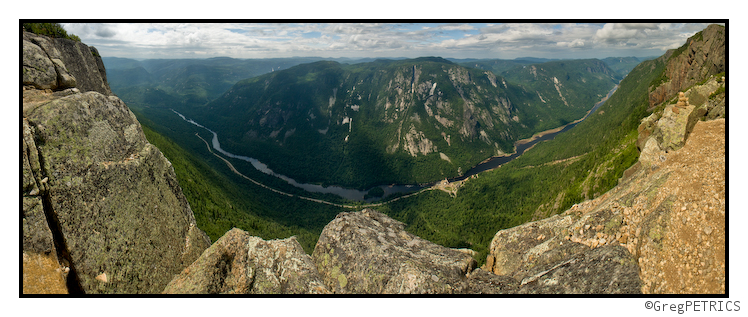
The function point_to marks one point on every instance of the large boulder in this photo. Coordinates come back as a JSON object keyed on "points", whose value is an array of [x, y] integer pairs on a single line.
{"points": [[367, 252], [242, 264], [670, 127], [542, 257], [57, 63], [675, 125], [121, 219]]}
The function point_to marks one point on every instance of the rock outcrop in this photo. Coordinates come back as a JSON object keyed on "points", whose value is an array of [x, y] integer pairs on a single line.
{"points": [[367, 252], [668, 129], [661, 230], [242, 264], [98, 199], [703, 55], [57, 63], [362, 252]]}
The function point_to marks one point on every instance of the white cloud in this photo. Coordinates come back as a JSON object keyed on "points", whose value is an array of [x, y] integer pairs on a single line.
{"points": [[253, 40], [453, 27]]}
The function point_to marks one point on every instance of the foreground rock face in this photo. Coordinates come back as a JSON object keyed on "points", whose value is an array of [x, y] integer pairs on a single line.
{"points": [[539, 255], [242, 264], [661, 230], [98, 199], [362, 252], [368, 252], [112, 195]]}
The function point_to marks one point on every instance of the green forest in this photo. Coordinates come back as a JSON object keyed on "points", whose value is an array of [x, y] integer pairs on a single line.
{"points": [[367, 109], [596, 152]]}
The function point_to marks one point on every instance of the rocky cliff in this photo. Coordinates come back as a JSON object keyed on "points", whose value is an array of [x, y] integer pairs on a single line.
{"points": [[666, 217], [703, 55], [102, 210]]}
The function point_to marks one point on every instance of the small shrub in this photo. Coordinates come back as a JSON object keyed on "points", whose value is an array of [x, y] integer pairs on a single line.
{"points": [[50, 29], [719, 90]]}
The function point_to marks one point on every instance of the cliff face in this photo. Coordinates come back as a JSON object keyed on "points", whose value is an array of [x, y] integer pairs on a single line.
{"points": [[703, 55], [56, 63], [101, 205], [666, 218]]}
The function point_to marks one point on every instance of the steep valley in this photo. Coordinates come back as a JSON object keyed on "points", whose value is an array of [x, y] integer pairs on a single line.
{"points": [[623, 203], [402, 122]]}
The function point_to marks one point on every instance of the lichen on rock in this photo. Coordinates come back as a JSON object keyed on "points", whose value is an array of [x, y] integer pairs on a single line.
{"points": [[98, 198], [242, 264], [367, 252]]}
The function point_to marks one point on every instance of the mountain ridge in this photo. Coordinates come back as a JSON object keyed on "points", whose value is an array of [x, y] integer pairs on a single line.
{"points": [[428, 115]]}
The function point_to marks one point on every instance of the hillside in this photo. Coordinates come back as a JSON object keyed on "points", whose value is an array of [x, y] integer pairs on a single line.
{"points": [[578, 165], [660, 230], [384, 122], [622, 65], [188, 82]]}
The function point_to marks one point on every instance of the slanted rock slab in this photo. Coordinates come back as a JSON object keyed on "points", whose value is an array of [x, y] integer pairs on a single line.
{"points": [[239, 263], [367, 252], [606, 270]]}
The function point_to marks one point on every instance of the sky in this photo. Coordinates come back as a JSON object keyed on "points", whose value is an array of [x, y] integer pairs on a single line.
{"points": [[357, 40]]}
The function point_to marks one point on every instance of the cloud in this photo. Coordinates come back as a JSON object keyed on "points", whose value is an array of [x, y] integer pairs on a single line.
{"points": [[476, 40], [576, 43], [456, 27], [620, 32]]}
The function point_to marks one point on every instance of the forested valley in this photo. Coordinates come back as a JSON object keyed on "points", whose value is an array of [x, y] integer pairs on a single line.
{"points": [[577, 165]]}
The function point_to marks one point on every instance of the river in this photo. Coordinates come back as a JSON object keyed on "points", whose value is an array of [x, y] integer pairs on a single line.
{"points": [[358, 195]]}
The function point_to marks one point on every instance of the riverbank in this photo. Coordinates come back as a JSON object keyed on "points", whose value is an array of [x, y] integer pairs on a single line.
{"points": [[541, 134], [450, 185]]}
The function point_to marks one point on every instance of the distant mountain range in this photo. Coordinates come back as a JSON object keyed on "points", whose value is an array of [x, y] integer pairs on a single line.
{"points": [[364, 122]]}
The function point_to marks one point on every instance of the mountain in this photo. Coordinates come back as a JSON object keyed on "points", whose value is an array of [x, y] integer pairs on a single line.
{"points": [[622, 65], [578, 165], [404, 121], [193, 82], [701, 56], [660, 229]]}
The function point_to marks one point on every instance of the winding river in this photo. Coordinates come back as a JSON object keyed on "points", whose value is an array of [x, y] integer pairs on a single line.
{"points": [[357, 195]]}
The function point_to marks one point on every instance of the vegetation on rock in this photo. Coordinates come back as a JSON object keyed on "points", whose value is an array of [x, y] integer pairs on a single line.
{"points": [[50, 29]]}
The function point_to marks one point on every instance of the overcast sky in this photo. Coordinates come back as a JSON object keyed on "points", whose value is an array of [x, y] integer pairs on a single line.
{"points": [[455, 40]]}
